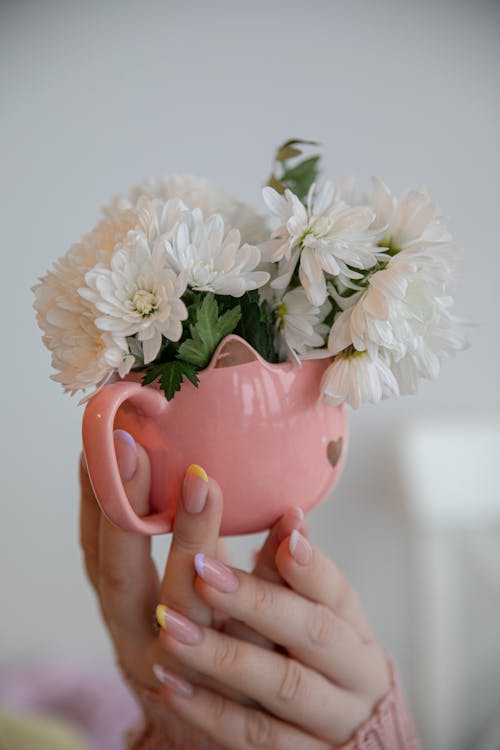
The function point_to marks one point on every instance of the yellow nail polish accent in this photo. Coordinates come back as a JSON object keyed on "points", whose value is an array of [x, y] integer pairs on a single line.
{"points": [[195, 469], [160, 615]]}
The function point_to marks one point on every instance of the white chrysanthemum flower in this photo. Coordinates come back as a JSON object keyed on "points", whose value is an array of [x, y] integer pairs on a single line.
{"points": [[404, 315], [369, 320], [98, 245], [442, 341], [402, 302], [86, 356], [299, 325], [251, 225], [213, 260], [198, 192], [326, 237], [82, 356], [413, 219], [157, 218], [356, 378], [138, 295]]}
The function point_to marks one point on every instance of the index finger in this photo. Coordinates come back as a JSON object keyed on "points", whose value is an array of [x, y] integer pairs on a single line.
{"points": [[196, 529], [309, 631], [265, 568]]}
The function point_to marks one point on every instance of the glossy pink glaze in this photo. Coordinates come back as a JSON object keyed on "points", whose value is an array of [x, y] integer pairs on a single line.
{"points": [[257, 428]]}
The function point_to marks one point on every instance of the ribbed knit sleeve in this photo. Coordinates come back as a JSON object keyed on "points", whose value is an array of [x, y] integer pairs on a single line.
{"points": [[390, 727]]}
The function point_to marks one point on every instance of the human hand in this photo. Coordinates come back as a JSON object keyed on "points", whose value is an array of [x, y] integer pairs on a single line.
{"points": [[120, 567], [316, 692], [123, 574]]}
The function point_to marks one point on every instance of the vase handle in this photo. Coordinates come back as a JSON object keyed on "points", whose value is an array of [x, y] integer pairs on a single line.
{"points": [[99, 450]]}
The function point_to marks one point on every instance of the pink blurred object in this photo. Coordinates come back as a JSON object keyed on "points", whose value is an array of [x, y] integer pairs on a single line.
{"points": [[258, 428], [91, 698]]}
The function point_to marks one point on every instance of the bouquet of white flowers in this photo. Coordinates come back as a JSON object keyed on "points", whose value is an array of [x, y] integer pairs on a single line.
{"points": [[177, 264]]}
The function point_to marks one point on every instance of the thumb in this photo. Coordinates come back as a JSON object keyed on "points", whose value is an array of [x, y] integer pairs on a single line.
{"points": [[135, 470]]}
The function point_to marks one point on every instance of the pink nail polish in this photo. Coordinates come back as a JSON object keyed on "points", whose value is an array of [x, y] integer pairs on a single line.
{"points": [[195, 489], [215, 573], [300, 549], [172, 681], [126, 454], [178, 626]]}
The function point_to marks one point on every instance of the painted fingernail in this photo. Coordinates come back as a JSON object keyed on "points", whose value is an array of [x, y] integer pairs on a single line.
{"points": [[195, 489], [300, 549], [291, 520], [126, 454], [178, 626], [215, 573], [171, 680]]}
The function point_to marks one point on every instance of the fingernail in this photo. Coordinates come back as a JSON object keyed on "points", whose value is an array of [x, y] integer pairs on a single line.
{"points": [[172, 681], [300, 549], [215, 573], [195, 489], [178, 626], [126, 454], [291, 520]]}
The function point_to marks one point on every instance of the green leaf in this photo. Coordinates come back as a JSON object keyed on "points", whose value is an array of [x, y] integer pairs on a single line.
{"points": [[300, 178], [291, 170], [208, 331], [303, 170], [206, 322], [192, 308], [274, 183], [228, 322], [192, 351], [256, 325], [293, 143], [171, 375], [287, 152]]}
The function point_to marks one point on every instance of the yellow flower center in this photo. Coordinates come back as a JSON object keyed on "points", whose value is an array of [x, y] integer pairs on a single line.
{"points": [[319, 228], [144, 302], [392, 248], [351, 353]]}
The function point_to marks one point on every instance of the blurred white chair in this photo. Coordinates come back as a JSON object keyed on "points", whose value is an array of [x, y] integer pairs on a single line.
{"points": [[451, 476]]}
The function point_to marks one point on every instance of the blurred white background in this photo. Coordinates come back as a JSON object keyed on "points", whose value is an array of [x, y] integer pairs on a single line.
{"points": [[94, 97]]}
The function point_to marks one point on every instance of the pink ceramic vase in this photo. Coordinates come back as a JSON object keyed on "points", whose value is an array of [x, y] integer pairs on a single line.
{"points": [[257, 428]]}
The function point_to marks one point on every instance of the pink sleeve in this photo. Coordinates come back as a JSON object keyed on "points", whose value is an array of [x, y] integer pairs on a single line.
{"points": [[390, 727]]}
